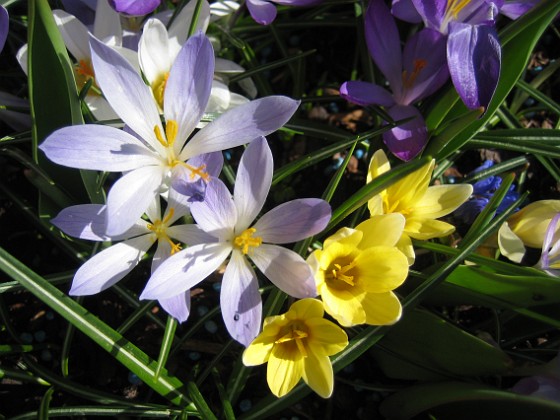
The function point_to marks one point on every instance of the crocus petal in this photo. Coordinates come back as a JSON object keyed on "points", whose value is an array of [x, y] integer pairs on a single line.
{"points": [[327, 336], [179, 307], [405, 246], [4, 26], [188, 87], [133, 7], [189, 234], [381, 308], [74, 33], [127, 93], [440, 200], [286, 269], [240, 300], [318, 374], [241, 125], [423, 229], [153, 51], [100, 108], [405, 10], [343, 305], [516, 9], [185, 270], [263, 12], [381, 269], [178, 30], [186, 182], [254, 177], [364, 93], [259, 350], [109, 266], [107, 24], [474, 59], [97, 147], [407, 140], [378, 165], [511, 246], [284, 370], [432, 13], [130, 196], [163, 252], [180, 205], [383, 41], [216, 215], [294, 220], [381, 230]]}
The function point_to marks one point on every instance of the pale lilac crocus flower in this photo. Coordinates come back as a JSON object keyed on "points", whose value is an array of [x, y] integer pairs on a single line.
{"points": [[550, 256], [264, 11], [111, 265], [413, 74], [4, 26], [473, 48], [230, 221], [156, 156], [134, 7]]}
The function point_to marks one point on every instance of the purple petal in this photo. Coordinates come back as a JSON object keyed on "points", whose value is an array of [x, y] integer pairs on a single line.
{"points": [[383, 41], [286, 269], [474, 58], [178, 307], [516, 9], [4, 26], [407, 140], [424, 66], [240, 300], [254, 177], [188, 86], [192, 185], [97, 147], [242, 125], [294, 220], [109, 266], [126, 92], [86, 221], [217, 214], [432, 12], [184, 270], [365, 93], [130, 196], [134, 7], [262, 12], [405, 10]]}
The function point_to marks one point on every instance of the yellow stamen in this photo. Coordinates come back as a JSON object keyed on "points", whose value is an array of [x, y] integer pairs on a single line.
{"points": [[454, 7], [84, 73], [408, 80], [158, 88], [159, 227], [171, 129], [195, 170], [296, 335], [246, 240], [339, 273]]}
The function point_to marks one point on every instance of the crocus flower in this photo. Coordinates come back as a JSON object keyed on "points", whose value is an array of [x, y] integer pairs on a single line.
{"points": [[550, 256], [4, 26], [134, 7], [473, 48], [106, 268], [420, 203], [297, 345], [229, 220], [545, 384], [264, 11], [413, 74], [527, 227], [154, 157], [16, 113], [357, 269]]}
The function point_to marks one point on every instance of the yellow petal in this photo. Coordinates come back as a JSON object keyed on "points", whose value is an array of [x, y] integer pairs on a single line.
{"points": [[346, 236], [318, 374], [405, 246], [258, 352], [382, 308], [511, 246], [440, 200], [379, 164], [384, 230], [375, 205], [305, 309], [380, 269], [343, 305], [325, 337], [283, 371], [531, 222], [420, 228], [403, 195]]}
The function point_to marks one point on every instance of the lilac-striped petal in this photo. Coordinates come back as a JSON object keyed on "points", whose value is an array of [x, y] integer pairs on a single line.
{"points": [[263, 12], [4, 26], [240, 300], [97, 147], [474, 58], [180, 205], [163, 252], [294, 220], [188, 86], [184, 270], [216, 215], [432, 13], [407, 140], [424, 65], [179, 307], [286, 269], [254, 177], [405, 10], [85, 221], [365, 93], [185, 183], [383, 41], [130, 196], [241, 125], [127, 93], [190, 235], [134, 7], [109, 266], [516, 9]]}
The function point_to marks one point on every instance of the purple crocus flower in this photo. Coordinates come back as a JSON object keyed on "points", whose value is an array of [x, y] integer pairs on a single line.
{"points": [[550, 256], [109, 266], [154, 157], [264, 11], [413, 74], [4, 26], [473, 48], [230, 221], [134, 7]]}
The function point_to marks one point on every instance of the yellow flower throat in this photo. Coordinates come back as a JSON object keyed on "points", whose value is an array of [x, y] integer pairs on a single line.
{"points": [[297, 335], [246, 240], [159, 227]]}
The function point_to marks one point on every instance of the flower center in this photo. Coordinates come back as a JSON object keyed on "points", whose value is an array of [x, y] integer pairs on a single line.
{"points": [[297, 335], [246, 240], [171, 130], [159, 227], [408, 80], [393, 207], [84, 72], [454, 7], [158, 88], [339, 272]]}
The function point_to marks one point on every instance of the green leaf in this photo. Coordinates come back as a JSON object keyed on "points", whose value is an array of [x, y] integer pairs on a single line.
{"points": [[45, 403]]}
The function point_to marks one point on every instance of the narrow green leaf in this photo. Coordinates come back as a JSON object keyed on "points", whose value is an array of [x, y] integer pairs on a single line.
{"points": [[540, 135], [166, 343], [539, 96], [45, 404]]}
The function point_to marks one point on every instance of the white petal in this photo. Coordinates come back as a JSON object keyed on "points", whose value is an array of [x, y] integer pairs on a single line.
{"points": [[190, 235], [74, 33], [99, 107], [179, 307], [107, 24], [153, 51], [180, 26]]}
